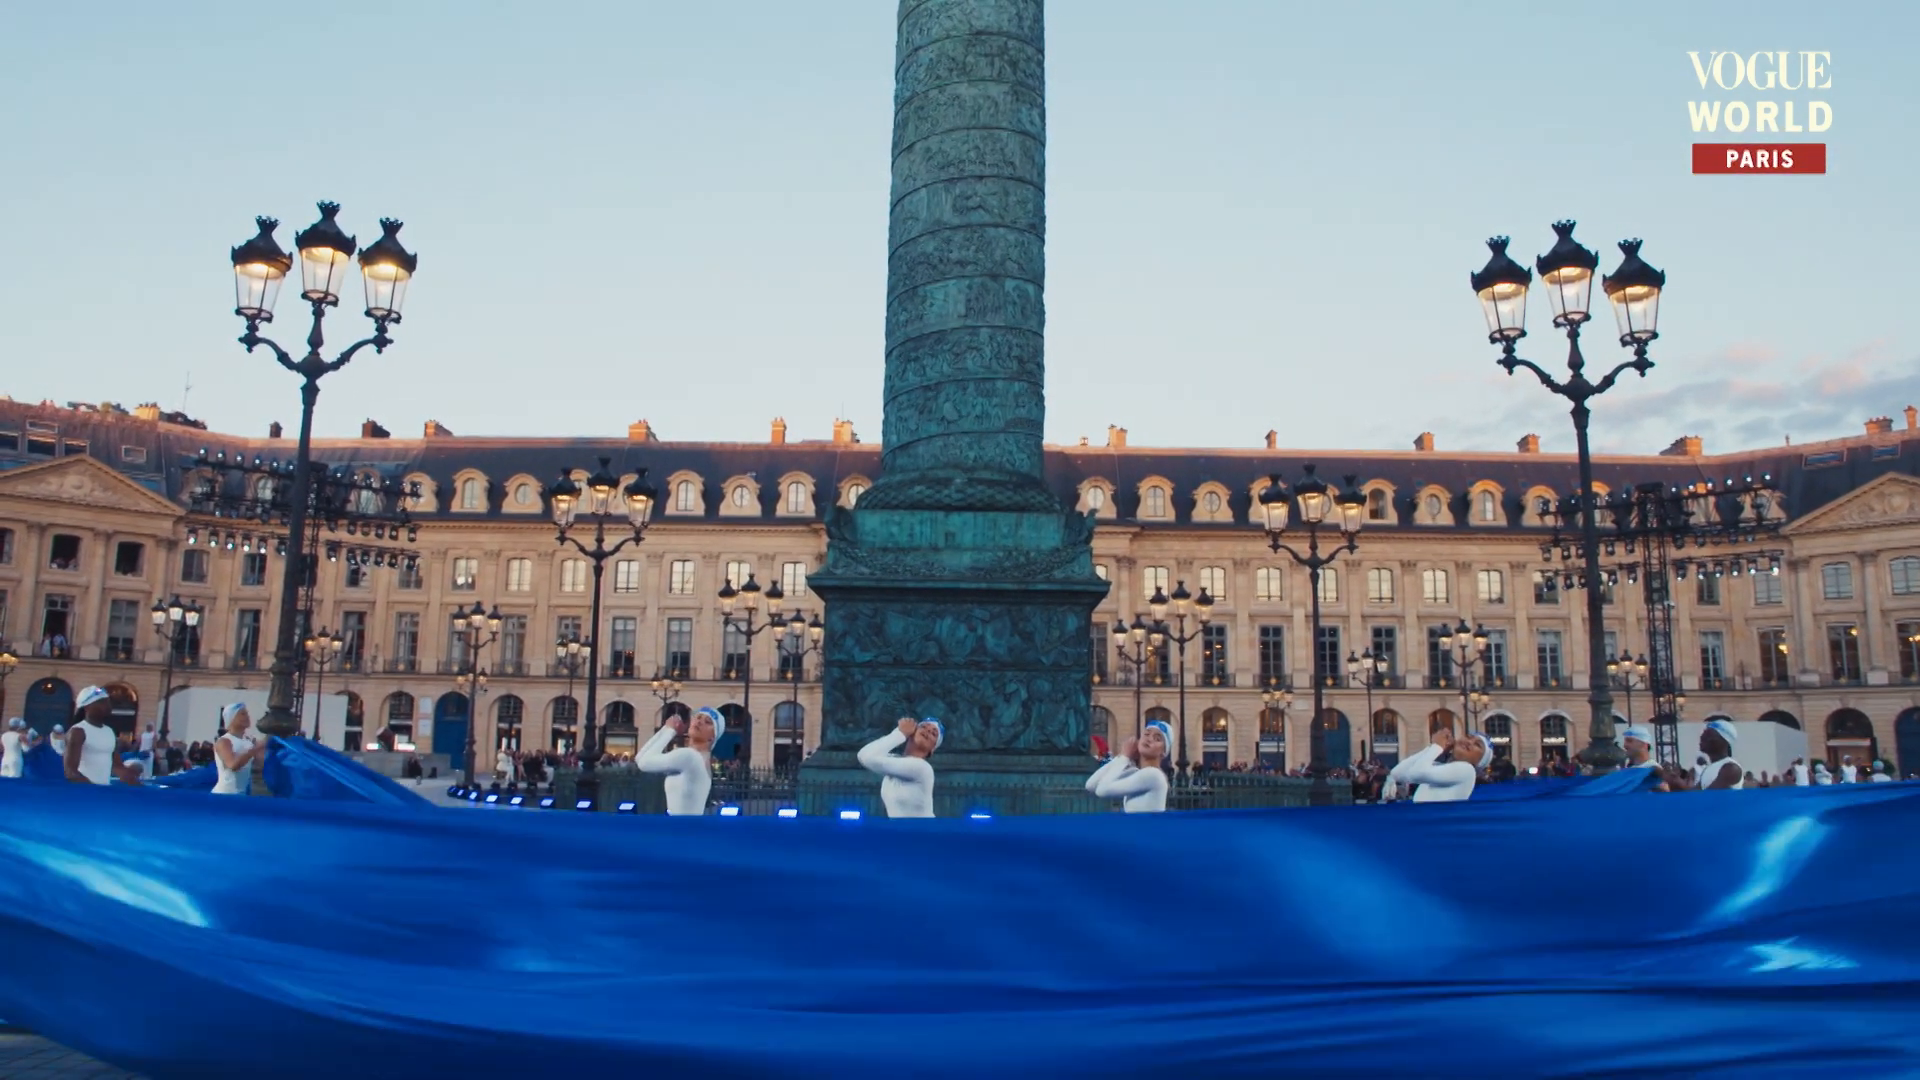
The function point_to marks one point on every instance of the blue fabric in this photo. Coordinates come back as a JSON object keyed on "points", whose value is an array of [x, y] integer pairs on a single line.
{"points": [[1618, 782], [1740, 934], [198, 778], [299, 768], [43, 763]]}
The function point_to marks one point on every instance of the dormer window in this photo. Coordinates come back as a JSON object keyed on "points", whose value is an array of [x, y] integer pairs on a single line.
{"points": [[1212, 501], [1096, 498], [741, 496], [685, 496], [1156, 502], [1376, 505], [1489, 507], [470, 494]]}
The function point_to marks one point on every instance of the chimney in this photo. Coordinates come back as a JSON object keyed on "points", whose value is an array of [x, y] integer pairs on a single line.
{"points": [[1083, 440], [1529, 444], [372, 430], [1686, 446], [1116, 437], [1913, 418], [843, 433], [1880, 425], [1423, 442], [1273, 440], [779, 431], [273, 430], [641, 431], [434, 430], [151, 411]]}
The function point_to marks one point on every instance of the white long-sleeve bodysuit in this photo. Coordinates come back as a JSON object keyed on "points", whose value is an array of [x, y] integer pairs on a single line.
{"points": [[1451, 782], [1144, 791], [689, 777], [907, 789]]}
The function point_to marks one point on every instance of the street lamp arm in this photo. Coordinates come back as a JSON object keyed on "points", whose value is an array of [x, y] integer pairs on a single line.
{"points": [[599, 552], [1639, 363], [1510, 362], [379, 341], [1281, 545], [252, 339]]}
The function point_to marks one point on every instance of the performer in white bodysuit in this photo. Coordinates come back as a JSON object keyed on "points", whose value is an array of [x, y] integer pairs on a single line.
{"points": [[235, 751], [907, 790], [1450, 781], [14, 745], [1134, 774], [1721, 771], [92, 756], [58, 738], [689, 770]]}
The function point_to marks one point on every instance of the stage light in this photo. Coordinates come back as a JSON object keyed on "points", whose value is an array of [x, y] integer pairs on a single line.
{"points": [[546, 802], [980, 816], [457, 791], [474, 795], [516, 800], [789, 811], [729, 811], [849, 815], [583, 804], [493, 796]]}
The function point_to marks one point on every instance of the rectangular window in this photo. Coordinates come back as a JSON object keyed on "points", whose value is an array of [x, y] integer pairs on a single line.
{"points": [[1329, 586], [680, 577], [357, 575], [626, 576], [1713, 659], [410, 576], [1907, 643], [1773, 656], [1843, 652], [1547, 657], [457, 640], [10, 441], [406, 640], [513, 644], [1903, 575], [733, 651], [133, 455], [1610, 644], [738, 571], [567, 628], [1379, 585], [353, 631], [796, 497], [1273, 656], [246, 638], [123, 622], [1329, 664], [1386, 643], [679, 654], [1495, 662], [573, 575], [623, 633], [1213, 581], [56, 626], [519, 575], [1214, 666], [186, 645], [40, 445], [466, 574], [1492, 586], [128, 557], [253, 569], [193, 566], [1100, 666], [1434, 587], [1266, 583], [1836, 581], [793, 579], [1766, 590], [1545, 590], [1153, 579], [1706, 589], [64, 554]]}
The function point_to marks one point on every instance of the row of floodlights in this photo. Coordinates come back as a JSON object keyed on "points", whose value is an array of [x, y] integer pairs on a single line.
{"points": [[245, 542], [1718, 568], [552, 802]]}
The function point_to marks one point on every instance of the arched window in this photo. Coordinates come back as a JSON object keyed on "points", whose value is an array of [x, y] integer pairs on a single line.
{"points": [[1489, 507], [1850, 735], [854, 491], [796, 497], [1101, 725], [470, 494], [366, 501], [1216, 731], [400, 710], [1499, 731], [263, 489], [1781, 717], [1377, 505], [686, 497], [1155, 505], [126, 707], [1433, 508], [620, 715], [564, 713], [1213, 579], [1553, 737], [1273, 739], [1266, 583], [507, 713], [1096, 497], [675, 708], [1836, 581], [1435, 587], [1439, 720], [789, 734], [1379, 585]]}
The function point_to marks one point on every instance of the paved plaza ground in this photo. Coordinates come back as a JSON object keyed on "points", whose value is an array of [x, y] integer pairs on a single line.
{"points": [[26, 1056]]}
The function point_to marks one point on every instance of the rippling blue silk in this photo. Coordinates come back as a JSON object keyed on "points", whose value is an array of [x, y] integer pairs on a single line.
{"points": [[43, 764], [1618, 782], [1751, 934]]}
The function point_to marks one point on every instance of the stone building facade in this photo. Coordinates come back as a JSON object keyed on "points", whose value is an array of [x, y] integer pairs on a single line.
{"points": [[95, 527]]}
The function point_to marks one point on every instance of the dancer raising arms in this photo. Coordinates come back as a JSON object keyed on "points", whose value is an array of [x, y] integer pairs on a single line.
{"points": [[1134, 774], [907, 790], [689, 770], [1449, 781]]}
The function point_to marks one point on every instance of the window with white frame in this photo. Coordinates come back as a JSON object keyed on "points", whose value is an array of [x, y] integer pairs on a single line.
{"points": [[680, 577], [1266, 583], [1903, 575], [1329, 585], [793, 579], [1379, 585], [1489, 507], [1766, 590], [686, 496], [626, 576], [1153, 579], [854, 491], [796, 497], [1154, 502], [1377, 507], [738, 571], [466, 574], [1213, 579], [573, 575], [1713, 658], [519, 575], [1836, 581], [1492, 585], [472, 495], [1434, 587]]}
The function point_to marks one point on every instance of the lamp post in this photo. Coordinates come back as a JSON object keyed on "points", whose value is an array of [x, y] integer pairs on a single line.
{"points": [[1311, 498], [667, 690], [259, 267], [802, 638], [1468, 647], [1145, 642], [599, 495], [570, 656], [478, 621], [323, 651], [1272, 699], [1184, 604], [1372, 668], [748, 597], [1627, 672], [1634, 289], [174, 621]]}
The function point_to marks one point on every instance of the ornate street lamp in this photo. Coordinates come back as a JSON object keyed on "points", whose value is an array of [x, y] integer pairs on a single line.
{"points": [[1274, 699], [802, 638], [599, 498], [259, 267], [323, 650], [175, 622], [747, 597], [477, 630], [1316, 506], [1372, 670], [1184, 605], [570, 656], [1630, 675], [1145, 642], [1634, 290]]}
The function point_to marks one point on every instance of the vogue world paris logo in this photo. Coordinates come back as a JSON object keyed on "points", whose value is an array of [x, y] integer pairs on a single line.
{"points": [[1777, 93]]}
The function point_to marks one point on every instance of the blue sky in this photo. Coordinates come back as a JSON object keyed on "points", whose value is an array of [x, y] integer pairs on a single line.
{"points": [[1262, 214]]}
